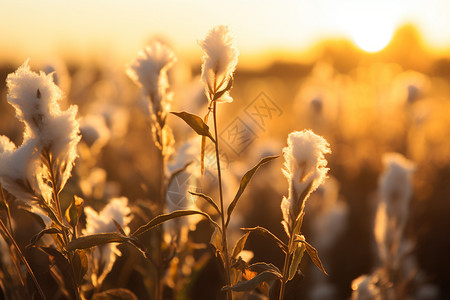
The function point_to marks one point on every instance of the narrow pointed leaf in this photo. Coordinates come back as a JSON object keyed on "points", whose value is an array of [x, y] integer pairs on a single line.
{"points": [[296, 259], [253, 283], [314, 255], [244, 182], [262, 266], [93, 240], [203, 147], [208, 199], [240, 244], [298, 224], [266, 232], [196, 123], [216, 241], [38, 236], [80, 265], [165, 217]]}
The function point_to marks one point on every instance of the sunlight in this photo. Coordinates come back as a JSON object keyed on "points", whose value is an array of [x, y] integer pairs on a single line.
{"points": [[371, 38]]}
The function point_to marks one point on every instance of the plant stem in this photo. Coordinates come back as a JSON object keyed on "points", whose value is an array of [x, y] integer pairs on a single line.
{"points": [[285, 271], [56, 199], [159, 231], [222, 213], [22, 257]]}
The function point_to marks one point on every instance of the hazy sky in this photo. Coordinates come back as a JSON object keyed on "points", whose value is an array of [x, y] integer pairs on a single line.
{"points": [[42, 28]]}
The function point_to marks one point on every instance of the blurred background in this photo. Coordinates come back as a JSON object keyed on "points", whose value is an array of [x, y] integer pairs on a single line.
{"points": [[370, 76]]}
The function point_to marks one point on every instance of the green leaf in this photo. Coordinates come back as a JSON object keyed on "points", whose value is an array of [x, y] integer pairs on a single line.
{"points": [[93, 240], [38, 236], [115, 294], [165, 217], [244, 182], [253, 283], [240, 244], [314, 255], [296, 259], [196, 123], [208, 199], [266, 232]]}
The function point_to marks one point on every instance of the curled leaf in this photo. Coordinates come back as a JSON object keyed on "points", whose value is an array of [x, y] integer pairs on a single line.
{"points": [[196, 123], [240, 244], [244, 182], [38, 236], [208, 199], [266, 232], [314, 255]]}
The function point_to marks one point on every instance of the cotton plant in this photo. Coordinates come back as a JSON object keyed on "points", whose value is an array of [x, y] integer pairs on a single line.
{"points": [[397, 268], [218, 65], [36, 172], [104, 256]]}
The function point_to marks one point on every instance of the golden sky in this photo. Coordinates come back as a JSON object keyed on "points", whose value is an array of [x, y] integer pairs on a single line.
{"points": [[118, 29]]}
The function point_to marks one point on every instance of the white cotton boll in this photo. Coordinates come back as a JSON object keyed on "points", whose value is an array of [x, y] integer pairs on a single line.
{"points": [[149, 71], [94, 132], [395, 184], [34, 96], [105, 256], [305, 169], [17, 168], [219, 60]]}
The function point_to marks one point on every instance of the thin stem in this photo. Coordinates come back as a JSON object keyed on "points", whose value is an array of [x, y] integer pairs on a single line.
{"points": [[22, 258], [159, 232], [222, 212], [56, 199], [285, 270]]}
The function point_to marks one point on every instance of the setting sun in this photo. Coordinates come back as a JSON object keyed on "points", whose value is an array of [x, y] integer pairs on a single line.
{"points": [[371, 38]]}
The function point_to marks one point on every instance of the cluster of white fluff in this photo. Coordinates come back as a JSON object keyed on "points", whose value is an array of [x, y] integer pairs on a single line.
{"points": [[149, 70], [104, 256], [305, 169], [395, 188], [219, 61], [49, 132]]}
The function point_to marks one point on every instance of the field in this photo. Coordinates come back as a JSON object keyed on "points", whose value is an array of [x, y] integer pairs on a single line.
{"points": [[376, 213]]}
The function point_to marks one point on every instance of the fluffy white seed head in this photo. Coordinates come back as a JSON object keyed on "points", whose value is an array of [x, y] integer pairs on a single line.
{"points": [[395, 188], [36, 100], [94, 132], [105, 256], [220, 58], [305, 169], [149, 70]]}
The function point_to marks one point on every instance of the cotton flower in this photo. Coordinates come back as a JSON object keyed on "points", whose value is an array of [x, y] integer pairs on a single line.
{"points": [[219, 61], [104, 256], [395, 188], [36, 100], [149, 71], [305, 169]]}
